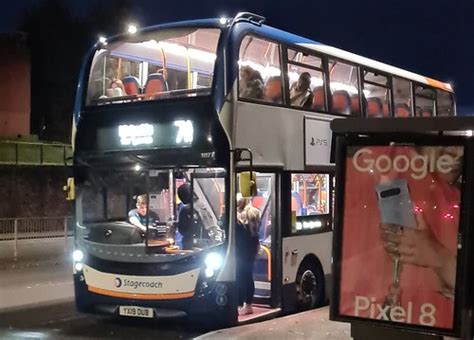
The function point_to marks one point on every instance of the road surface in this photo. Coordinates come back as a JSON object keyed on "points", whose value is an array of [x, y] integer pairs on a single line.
{"points": [[61, 321]]}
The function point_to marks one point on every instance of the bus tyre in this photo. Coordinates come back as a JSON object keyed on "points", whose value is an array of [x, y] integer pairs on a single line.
{"points": [[309, 286]]}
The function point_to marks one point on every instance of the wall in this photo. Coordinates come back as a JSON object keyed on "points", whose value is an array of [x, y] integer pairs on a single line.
{"points": [[34, 191]]}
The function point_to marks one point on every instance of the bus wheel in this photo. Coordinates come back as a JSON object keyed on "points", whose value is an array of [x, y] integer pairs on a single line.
{"points": [[309, 286]]}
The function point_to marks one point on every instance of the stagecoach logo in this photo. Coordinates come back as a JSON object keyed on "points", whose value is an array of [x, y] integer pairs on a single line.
{"points": [[136, 134], [135, 284]]}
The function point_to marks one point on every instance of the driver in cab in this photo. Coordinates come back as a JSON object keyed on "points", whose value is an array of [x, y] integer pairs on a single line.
{"points": [[138, 216]]}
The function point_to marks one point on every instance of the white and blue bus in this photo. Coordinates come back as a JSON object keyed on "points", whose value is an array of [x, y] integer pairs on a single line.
{"points": [[223, 106]]}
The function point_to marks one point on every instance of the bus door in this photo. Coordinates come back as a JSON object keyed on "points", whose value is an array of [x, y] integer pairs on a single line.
{"points": [[265, 268]]}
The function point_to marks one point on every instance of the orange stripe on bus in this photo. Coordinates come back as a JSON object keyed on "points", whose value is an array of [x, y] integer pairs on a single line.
{"points": [[438, 84], [170, 296], [269, 262]]}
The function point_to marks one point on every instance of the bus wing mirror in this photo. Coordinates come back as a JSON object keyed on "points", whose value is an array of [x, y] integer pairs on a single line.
{"points": [[248, 184], [69, 189]]}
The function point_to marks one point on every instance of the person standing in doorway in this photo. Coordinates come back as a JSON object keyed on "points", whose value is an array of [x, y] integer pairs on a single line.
{"points": [[247, 245]]}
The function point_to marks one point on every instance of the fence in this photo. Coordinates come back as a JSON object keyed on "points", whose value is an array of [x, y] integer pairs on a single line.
{"points": [[35, 153], [28, 228]]}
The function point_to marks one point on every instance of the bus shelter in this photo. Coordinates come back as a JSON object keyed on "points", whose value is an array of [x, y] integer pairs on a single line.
{"points": [[403, 238]]}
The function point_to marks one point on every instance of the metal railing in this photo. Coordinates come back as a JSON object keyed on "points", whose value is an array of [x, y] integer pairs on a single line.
{"points": [[14, 152], [27, 228]]}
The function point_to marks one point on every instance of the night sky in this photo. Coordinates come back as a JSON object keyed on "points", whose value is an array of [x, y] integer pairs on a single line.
{"points": [[430, 37]]}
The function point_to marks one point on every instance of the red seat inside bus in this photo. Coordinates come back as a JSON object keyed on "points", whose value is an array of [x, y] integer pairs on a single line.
{"points": [[156, 83], [131, 85]]}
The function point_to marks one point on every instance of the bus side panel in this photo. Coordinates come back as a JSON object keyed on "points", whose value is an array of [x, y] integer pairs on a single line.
{"points": [[271, 133]]}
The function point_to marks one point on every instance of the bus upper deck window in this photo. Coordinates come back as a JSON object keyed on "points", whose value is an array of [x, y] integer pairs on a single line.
{"points": [[260, 71], [305, 77], [402, 97], [445, 103], [424, 101], [377, 93], [343, 85], [159, 64]]}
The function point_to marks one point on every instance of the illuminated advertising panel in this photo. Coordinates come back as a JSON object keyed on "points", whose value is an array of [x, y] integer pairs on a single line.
{"points": [[399, 240]]}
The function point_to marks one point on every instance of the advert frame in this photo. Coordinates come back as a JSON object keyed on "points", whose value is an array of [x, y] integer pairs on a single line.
{"points": [[408, 139]]}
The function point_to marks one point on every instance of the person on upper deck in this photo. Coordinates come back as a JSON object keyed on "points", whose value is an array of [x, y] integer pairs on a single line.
{"points": [[300, 92], [250, 83], [273, 90]]}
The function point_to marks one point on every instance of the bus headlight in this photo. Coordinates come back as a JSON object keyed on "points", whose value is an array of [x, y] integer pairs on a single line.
{"points": [[213, 261], [77, 255]]}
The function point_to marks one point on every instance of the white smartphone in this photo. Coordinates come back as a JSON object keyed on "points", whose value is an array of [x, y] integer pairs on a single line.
{"points": [[395, 205]]}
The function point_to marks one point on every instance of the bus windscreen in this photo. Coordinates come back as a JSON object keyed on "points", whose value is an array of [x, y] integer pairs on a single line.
{"points": [[161, 212], [153, 65]]}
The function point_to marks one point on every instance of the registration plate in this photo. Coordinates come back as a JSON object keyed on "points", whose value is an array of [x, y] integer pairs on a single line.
{"points": [[138, 312]]}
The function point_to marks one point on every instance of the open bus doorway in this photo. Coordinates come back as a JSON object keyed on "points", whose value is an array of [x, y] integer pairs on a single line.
{"points": [[264, 303]]}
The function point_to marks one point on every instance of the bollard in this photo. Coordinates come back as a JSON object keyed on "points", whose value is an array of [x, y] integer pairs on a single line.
{"points": [[15, 235]]}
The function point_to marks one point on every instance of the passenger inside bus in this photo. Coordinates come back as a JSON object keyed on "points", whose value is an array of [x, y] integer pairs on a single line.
{"points": [[300, 92], [116, 89], [418, 111], [318, 98], [247, 246], [273, 90], [402, 110], [374, 107], [250, 83], [188, 219], [341, 102]]}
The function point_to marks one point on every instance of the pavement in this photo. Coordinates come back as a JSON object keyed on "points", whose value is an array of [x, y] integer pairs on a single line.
{"points": [[41, 273], [36, 252], [314, 324]]}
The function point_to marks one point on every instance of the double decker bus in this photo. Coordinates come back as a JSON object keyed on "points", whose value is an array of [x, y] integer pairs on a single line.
{"points": [[224, 107]]}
